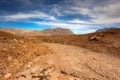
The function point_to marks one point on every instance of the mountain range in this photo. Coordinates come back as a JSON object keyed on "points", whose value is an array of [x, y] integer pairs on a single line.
{"points": [[58, 31]]}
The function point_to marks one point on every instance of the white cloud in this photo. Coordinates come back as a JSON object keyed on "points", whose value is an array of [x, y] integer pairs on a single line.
{"points": [[78, 10], [101, 12], [52, 18], [56, 10], [76, 28], [107, 15], [104, 12], [83, 31], [22, 16], [63, 25], [77, 21]]}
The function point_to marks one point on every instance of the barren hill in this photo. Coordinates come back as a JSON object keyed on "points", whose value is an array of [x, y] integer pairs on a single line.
{"points": [[15, 31]]}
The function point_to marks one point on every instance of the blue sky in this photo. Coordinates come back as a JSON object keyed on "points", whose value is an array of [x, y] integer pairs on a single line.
{"points": [[80, 16]]}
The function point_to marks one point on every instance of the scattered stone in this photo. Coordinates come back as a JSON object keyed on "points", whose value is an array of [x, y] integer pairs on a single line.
{"points": [[5, 38], [7, 75], [0, 74], [9, 58], [23, 75], [28, 66], [24, 46], [13, 47], [29, 52], [15, 40], [4, 50], [21, 41], [95, 38], [63, 72]]}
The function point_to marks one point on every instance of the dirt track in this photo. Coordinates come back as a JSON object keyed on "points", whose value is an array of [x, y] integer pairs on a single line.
{"points": [[71, 63]]}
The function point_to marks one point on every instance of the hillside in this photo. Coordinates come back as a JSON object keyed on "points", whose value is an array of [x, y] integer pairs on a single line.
{"points": [[15, 31], [105, 42], [16, 51]]}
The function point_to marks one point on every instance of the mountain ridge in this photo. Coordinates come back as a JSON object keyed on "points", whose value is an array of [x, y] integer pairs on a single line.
{"points": [[59, 31]]}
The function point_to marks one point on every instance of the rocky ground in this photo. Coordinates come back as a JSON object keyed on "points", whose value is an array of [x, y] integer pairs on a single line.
{"points": [[28, 58], [106, 42], [15, 52], [71, 63]]}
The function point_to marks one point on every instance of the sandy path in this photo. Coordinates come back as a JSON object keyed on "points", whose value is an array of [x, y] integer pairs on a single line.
{"points": [[71, 63]]}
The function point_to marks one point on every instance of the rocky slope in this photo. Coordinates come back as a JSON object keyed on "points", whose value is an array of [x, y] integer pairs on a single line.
{"points": [[107, 42]]}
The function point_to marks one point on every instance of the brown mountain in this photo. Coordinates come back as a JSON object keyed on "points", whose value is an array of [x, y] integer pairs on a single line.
{"points": [[59, 31], [107, 29]]}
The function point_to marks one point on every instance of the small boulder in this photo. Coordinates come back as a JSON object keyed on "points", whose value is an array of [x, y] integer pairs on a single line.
{"points": [[9, 58], [28, 66], [15, 40], [4, 50], [95, 38], [7, 75], [21, 41], [5, 38]]}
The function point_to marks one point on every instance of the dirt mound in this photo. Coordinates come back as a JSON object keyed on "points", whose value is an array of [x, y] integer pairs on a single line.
{"points": [[105, 42]]}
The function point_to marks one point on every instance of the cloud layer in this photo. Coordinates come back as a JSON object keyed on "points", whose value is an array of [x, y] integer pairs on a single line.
{"points": [[76, 15]]}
